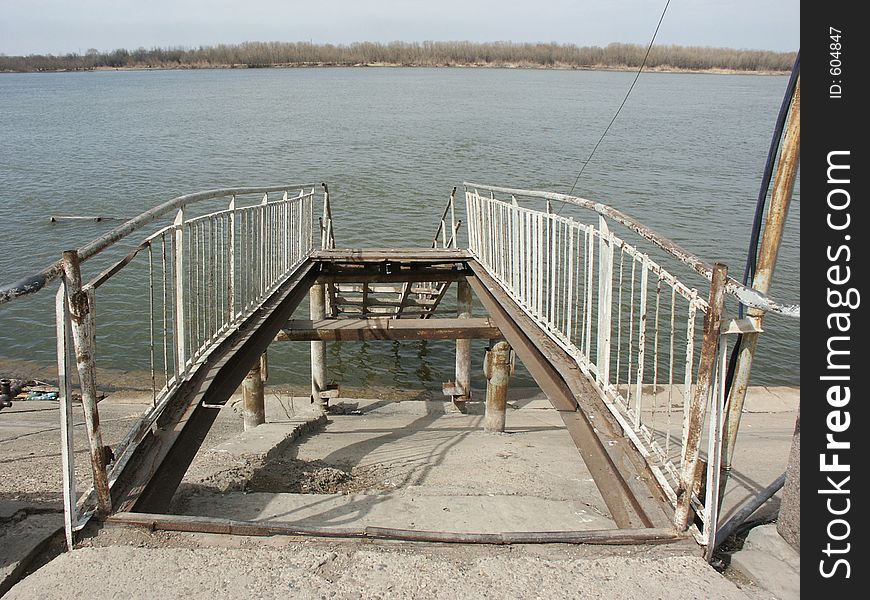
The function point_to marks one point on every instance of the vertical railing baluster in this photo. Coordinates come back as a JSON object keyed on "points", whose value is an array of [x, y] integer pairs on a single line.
{"points": [[619, 316], [605, 293], [165, 267], [65, 359], [655, 382], [641, 342], [151, 325], [687, 375], [590, 274], [180, 325], [569, 317], [231, 261], [671, 371]]}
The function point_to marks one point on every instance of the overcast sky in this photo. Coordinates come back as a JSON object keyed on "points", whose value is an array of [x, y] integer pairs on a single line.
{"points": [[61, 26]]}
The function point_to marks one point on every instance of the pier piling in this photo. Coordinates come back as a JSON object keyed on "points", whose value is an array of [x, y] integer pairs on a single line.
{"points": [[498, 372]]}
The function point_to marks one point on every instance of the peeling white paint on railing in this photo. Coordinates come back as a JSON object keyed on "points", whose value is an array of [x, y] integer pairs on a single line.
{"points": [[630, 324], [205, 276]]}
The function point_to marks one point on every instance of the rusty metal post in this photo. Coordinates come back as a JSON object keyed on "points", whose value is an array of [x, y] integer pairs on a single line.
{"points": [[690, 474], [81, 311], [254, 407], [317, 302], [780, 199], [497, 368], [463, 346]]}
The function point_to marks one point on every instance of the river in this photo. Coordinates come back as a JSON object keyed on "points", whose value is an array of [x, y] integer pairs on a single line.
{"points": [[685, 156]]}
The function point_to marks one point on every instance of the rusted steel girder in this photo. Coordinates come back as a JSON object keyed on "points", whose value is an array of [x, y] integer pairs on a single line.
{"points": [[184, 523], [159, 461]]}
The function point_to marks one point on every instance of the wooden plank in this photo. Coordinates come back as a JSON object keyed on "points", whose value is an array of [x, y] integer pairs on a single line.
{"points": [[386, 328], [186, 523], [397, 255], [401, 302], [374, 273]]}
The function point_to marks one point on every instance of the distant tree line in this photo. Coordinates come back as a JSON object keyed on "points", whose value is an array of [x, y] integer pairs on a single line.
{"points": [[418, 54]]}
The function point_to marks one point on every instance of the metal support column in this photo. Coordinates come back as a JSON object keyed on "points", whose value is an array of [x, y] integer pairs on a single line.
{"points": [[317, 299], [254, 410], [780, 199], [497, 369], [463, 346]]}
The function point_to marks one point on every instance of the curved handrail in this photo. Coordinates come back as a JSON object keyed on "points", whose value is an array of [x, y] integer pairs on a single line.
{"points": [[746, 295], [34, 283]]}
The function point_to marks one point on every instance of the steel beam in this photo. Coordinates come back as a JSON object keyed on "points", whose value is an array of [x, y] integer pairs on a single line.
{"points": [[184, 523], [387, 329], [150, 478], [395, 255]]}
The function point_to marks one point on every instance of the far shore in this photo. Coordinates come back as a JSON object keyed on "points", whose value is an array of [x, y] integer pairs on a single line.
{"points": [[514, 66]]}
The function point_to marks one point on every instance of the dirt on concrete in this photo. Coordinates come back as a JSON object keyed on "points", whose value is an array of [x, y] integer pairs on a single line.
{"points": [[296, 476]]}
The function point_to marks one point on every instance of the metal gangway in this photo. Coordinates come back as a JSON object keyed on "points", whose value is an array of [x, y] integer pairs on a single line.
{"points": [[625, 331]]}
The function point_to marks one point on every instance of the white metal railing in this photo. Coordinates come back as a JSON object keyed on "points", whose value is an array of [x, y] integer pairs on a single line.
{"points": [[446, 235], [207, 273], [630, 324], [202, 276]]}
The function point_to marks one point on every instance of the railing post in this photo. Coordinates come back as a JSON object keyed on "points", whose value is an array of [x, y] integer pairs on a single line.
{"points": [[80, 303], [605, 295], [780, 199], [326, 233], [180, 325], [231, 261], [690, 474], [264, 245], [67, 449], [463, 346], [497, 368], [453, 217]]}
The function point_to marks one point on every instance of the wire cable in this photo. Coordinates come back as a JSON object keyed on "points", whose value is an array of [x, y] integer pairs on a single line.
{"points": [[761, 202], [772, 153], [624, 100]]}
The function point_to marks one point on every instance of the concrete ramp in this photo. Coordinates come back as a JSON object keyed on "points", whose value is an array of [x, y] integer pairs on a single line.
{"points": [[406, 465]]}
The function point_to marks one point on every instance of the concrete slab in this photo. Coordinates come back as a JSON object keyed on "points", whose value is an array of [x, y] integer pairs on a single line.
{"points": [[262, 569], [268, 439], [410, 508], [22, 535], [409, 464], [769, 562]]}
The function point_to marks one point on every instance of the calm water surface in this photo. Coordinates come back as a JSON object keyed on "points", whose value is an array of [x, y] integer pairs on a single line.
{"points": [[685, 157]]}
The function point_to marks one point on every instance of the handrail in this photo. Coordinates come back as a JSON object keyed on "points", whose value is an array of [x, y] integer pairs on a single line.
{"points": [[746, 295], [327, 233], [454, 224], [34, 283]]}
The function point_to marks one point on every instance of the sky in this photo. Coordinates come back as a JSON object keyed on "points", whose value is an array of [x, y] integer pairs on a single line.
{"points": [[62, 26]]}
